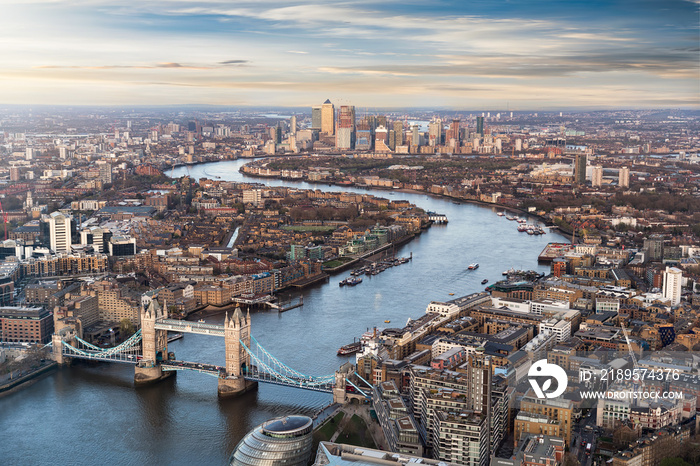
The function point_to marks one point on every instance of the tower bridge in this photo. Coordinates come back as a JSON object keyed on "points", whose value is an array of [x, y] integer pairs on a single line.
{"points": [[246, 362]]}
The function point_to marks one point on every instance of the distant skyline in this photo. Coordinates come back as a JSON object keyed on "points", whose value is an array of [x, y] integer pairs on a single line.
{"points": [[516, 55]]}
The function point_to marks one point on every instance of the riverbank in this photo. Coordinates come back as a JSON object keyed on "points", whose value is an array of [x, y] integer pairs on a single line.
{"points": [[27, 379], [370, 254], [478, 202]]}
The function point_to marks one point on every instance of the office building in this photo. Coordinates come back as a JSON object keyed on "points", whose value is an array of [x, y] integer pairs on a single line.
{"points": [[316, 117], [122, 246], [580, 162], [21, 324], [293, 125], [285, 440], [624, 178], [597, 178], [480, 125], [398, 133], [672, 285], [328, 118], [98, 237], [345, 131], [57, 229], [381, 139]]}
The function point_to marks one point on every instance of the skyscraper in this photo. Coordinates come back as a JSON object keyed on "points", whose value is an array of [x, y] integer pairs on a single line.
{"points": [[345, 131], [672, 285], [597, 179], [453, 132], [435, 132], [624, 178], [316, 117], [293, 125], [415, 136], [580, 163], [480, 125], [398, 133], [328, 118]]}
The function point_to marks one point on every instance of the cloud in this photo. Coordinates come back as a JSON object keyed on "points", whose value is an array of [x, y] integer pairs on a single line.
{"points": [[233, 62]]}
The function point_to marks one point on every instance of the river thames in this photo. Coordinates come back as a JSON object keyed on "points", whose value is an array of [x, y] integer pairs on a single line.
{"points": [[94, 415]]}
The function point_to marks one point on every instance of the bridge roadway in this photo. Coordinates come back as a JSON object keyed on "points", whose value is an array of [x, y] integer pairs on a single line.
{"points": [[185, 326], [208, 369], [218, 371]]}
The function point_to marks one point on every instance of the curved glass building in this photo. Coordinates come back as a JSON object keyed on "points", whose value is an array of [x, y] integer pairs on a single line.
{"points": [[282, 441]]}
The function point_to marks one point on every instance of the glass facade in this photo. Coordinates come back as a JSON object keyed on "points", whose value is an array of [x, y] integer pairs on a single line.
{"points": [[283, 441]]}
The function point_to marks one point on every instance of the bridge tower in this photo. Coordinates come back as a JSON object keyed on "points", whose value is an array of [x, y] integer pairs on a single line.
{"points": [[236, 330], [154, 345]]}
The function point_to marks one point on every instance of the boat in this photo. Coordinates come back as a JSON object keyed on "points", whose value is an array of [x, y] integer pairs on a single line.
{"points": [[175, 336], [387, 321], [353, 281], [501, 214], [201, 321], [484, 281], [473, 266], [349, 349], [452, 294], [509, 271], [343, 282]]}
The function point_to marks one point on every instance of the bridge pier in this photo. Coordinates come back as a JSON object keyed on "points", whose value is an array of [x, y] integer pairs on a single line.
{"points": [[231, 387], [144, 375]]}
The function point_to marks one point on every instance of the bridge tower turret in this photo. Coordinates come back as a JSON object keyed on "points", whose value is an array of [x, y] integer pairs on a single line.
{"points": [[154, 345], [236, 330]]}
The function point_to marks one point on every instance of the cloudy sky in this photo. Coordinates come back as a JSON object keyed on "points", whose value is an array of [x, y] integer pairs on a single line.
{"points": [[482, 54]]}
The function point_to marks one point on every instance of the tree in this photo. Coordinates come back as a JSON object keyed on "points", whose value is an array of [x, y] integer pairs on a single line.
{"points": [[673, 462], [570, 460], [126, 328]]}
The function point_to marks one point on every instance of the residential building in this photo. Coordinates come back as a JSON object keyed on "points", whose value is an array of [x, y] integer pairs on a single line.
{"points": [[672, 285]]}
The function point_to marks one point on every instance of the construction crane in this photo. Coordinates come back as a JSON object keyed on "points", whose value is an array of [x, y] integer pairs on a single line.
{"points": [[4, 219], [634, 359]]}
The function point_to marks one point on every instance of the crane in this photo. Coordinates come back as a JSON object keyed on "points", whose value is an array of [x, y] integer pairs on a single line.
{"points": [[4, 219], [634, 359]]}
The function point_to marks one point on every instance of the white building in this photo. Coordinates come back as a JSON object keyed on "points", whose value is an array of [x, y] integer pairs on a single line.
{"points": [[59, 231], [672, 285], [561, 328]]}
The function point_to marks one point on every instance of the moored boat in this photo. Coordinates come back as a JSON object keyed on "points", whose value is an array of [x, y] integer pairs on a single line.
{"points": [[349, 349]]}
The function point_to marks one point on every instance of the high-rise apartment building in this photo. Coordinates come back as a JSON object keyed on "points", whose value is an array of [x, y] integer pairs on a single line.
{"points": [[624, 178], [453, 133], [435, 132], [654, 247], [580, 162], [672, 285], [415, 136], [316, 117], [293, 125], [597, 178], [328, 118], [105, 171], [345, 131], [57, 227]]}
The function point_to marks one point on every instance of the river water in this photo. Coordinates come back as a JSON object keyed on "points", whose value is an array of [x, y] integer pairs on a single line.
{"points": [[92, 414]]}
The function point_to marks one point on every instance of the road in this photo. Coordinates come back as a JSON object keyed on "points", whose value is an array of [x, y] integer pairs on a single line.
{"points": [[584, 432]]}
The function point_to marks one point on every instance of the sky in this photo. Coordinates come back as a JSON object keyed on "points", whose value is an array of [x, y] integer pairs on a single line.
{"points": [[482, 54]]}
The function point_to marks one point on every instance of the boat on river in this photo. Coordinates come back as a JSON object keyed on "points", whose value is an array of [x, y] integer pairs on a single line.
{"points": [[350, 349], [473, 266]]}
